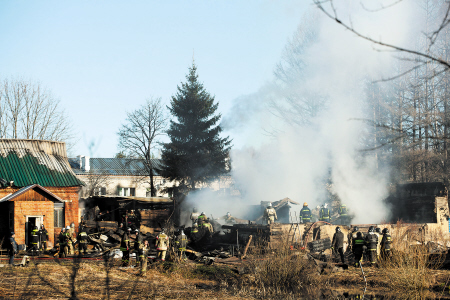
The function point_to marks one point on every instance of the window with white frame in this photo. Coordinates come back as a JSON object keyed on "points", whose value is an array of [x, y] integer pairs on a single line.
{"points": [[59, 215], [126, 192]]}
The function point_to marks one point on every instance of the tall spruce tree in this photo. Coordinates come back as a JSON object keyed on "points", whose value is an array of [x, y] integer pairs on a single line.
{"points": [[196, 153]]}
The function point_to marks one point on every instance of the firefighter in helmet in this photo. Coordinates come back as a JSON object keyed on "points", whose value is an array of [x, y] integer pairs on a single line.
{"points": [[270, 215], [371, 242], [305, 213]]}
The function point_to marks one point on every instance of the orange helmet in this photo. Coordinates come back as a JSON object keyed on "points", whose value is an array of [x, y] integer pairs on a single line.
{"points": [[305, 204]]}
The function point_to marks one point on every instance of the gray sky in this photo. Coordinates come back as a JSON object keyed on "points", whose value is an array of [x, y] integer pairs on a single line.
{"points": [[103, 58]]}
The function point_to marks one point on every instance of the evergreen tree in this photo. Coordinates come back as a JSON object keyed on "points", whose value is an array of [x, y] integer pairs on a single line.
{"points": [[196, 153]]}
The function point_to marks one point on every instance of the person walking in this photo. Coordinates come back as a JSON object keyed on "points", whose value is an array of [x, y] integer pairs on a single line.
{"points": [[13, 249], [338, 243]]}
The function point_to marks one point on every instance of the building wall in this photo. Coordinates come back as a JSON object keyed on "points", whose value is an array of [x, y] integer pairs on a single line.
{"points": [[33, 203], [32, 208], [71, 207], [142, 185]]}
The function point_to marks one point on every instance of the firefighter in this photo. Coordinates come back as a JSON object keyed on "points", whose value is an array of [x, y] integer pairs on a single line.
{"points": [[351, 237], [270, 215], [62, 243], [208, 226], [338, 243], [12, 249], [305, 213], [229, 219], [201, 219], [181, 245], [357, 248], [125, 247], [34, 241], [194, 228], [343, 214], [194, 216], [386, 242], [83, 240], [143, 256], [137, 246], [70, 239], [324, 213], [43, 234], [162, 242], [371, 242]]}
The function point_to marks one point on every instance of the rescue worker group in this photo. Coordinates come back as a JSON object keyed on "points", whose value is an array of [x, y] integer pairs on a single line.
{"points": [[368, 244], [359, 243]]}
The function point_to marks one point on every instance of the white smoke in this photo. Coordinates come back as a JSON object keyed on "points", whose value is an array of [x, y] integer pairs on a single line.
{"points": [[295, 160]]}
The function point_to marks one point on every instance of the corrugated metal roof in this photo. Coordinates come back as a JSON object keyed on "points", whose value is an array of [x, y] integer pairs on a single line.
{"points": [[27, 188], [28, 162], [115, 166]]}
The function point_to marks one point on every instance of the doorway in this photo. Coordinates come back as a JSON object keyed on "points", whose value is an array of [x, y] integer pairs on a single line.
{"points": [[32, 221]]}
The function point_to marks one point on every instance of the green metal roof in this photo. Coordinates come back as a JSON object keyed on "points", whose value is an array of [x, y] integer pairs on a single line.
{"points": [[26, 163]]}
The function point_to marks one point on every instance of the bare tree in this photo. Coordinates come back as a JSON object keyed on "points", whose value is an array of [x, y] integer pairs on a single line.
{"points": [[95, 181], [138, 137], [29, 111]]}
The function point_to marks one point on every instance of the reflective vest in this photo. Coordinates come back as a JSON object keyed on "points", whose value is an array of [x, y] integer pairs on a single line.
{"points": [[386, 241], [305, 213], [124, 243], [83, 237], [343, 210], [35, 236], [324, 214]]}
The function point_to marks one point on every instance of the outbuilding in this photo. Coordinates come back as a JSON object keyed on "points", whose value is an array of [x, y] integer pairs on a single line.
{"points": [[37, 186]]}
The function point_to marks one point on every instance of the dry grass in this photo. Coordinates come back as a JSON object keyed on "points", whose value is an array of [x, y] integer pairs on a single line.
{"points": [[97, 280], [410, 268]]}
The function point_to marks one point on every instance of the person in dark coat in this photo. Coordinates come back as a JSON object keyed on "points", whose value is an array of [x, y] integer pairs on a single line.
{"points": [[13, 249], [137, 246], [83, 240], [34, 241], [371, 241], [385, 244], [357, 248], [43, 235], [338, 243], [125, 247]]}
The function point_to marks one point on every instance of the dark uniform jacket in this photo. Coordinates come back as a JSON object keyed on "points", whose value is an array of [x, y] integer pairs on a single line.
{"points": [[12, 246], [35, 236], [138, 242], [338, 240], [44, 234], [306, 213], [324, 214], [125, 242], [386, 241], [83, 237], [371, 241]]}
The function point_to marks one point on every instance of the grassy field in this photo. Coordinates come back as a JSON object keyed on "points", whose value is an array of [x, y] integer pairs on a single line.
{"points": [[272, 278]]}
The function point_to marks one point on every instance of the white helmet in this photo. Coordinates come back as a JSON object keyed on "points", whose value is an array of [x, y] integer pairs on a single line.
{"points": [[68, 228], [326, 205], [270, 204]]}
